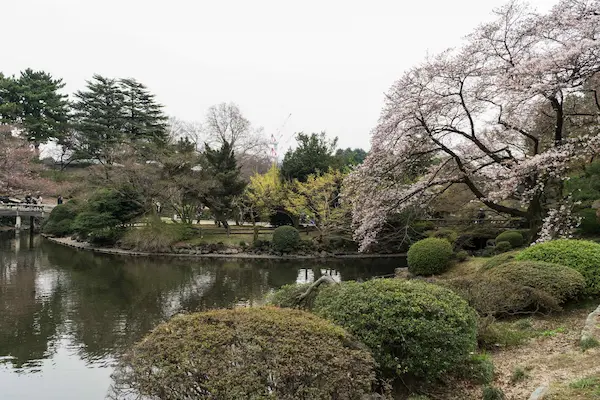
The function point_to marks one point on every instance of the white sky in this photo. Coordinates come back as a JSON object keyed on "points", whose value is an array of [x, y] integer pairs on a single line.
{"points": [[326, 62]]}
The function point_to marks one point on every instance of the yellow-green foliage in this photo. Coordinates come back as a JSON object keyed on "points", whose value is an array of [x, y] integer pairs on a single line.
{"points": [[414, 328], [251, 353], [581, 255], [429, 256]]}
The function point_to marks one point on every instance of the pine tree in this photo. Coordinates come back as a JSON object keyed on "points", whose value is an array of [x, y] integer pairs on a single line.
{"points": [[144, 120], [33, 103], [227, 182], [98, 119]]}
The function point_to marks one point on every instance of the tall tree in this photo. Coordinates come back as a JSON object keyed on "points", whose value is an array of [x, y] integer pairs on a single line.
{"points": [[35, 104], [475, 109], [345, 158], [227, 184], [143, 117], [98, 119], [313, 155]]}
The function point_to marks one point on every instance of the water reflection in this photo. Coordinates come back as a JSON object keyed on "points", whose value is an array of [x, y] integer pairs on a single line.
{"points": [[57, 303]]}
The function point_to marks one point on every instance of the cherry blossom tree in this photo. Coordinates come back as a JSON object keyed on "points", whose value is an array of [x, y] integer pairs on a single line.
{"points": [[477, 109]]}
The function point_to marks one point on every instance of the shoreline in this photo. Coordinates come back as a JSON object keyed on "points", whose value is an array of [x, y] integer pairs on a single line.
{"points": [[247, 256]]}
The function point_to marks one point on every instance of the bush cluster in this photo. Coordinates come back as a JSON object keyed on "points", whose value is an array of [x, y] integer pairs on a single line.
{"points": [[429, 256], [286, 239], [60, 221], [515, 238], [251, 353], [581, 255], [562, 283], [413, 328], [502, 247]]}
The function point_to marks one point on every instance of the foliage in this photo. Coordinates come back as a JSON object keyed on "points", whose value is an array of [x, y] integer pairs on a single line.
{"points": [[493, 393], [462, 256], [287, 296], [491, 295], [60, 221], [502, 247], [227, 183], [256, 353], [34, 103], [581, 255], [156, 236], [499, 260], [519, 374], [444, 233], [286, 239], [590, 223], [313, 155], [429, 256], [492, 334], [266, 192], [478, 368], [515, 238], [589, 343], [346, 158], [479, 109], [413, 328], [318, 200], [562, 283]]}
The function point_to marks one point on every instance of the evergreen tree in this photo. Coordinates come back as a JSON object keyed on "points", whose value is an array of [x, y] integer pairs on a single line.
{"points": [[33, 102], [98, 118], [227, 183], [313, 155], [143, 117]]}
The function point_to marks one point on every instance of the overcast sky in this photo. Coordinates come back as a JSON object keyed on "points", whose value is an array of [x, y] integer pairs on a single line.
{"points": [[326, 62]]}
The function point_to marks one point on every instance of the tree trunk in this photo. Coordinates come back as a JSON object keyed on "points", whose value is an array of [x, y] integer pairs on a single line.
{"points": [[226, 225]]}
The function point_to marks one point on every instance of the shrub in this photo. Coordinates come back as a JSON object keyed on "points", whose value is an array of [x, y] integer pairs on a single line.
{"points": [[286, 238], [492, 295], [444, 233], [479, 369], [502, 247], [414, 328], [462, 256], [60, 220], [246, 353], [493, 393], [590, 224], [499, 260], [287, 296], [429, 256], [261, 245], [581, 255], [562, 283], [492, 334], [513, 237]]}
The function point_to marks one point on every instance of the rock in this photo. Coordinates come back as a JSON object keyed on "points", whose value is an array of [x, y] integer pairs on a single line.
{"points": [[402, 273], [540, 392]]}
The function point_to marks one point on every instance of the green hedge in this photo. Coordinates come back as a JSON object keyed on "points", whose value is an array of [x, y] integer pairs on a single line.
{"points": [[286, 239], [502, 247], [249, 353], [499, 260], [60, 221], [581, 255], [563, 283], [513, 237], [429, 256], [414, 329]]}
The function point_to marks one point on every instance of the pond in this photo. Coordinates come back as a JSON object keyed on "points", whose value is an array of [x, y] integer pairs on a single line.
{"points": [[66, 315]]}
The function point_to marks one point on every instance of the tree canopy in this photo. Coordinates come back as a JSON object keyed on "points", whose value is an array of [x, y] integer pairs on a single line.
{"points": [[314, 154]]}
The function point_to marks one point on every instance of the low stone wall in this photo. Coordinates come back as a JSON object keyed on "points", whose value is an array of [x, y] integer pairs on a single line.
{"points": [[107, 250]]}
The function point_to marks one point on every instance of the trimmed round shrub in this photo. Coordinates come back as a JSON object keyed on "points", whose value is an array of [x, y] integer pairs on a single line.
{"points": [[581, 255], [429, 256], [515, 238], [502, 247], [247, 353], [60, 220], [562, 283], [286, 238], [414, 329], [492, 295], [462, 255], [499, 260]]}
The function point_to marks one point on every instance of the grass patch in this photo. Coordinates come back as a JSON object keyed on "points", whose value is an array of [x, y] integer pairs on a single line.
{"points": [[519, 375], [552, 332], [589, 343]]}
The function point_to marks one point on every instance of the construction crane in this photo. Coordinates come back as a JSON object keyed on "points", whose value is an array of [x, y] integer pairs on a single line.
{"points": [[276, 140]]}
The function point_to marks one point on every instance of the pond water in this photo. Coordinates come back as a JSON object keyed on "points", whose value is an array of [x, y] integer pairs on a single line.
{"points": [[66, 315]]}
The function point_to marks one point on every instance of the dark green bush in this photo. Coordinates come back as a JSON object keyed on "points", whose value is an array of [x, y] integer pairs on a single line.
{"points": [[493, 393], [429, 256], [261, 245], [562, 283], [502, 247], [590, 225], [246, 353], [286, 239], [462, 256], [581, 255], [513, 237], [60, 220], [499, 260], [414, 328], [491, 295], [287, 296], [444, 233]]}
